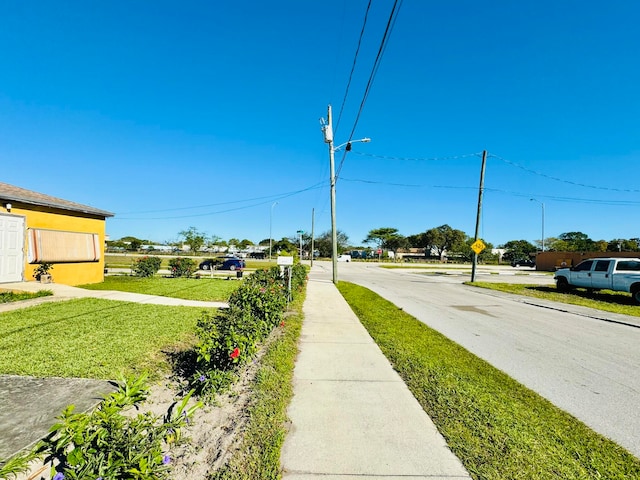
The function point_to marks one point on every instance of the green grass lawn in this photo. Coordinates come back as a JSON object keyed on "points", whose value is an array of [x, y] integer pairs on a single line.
{"points": [[206, 289], [92, 338], [9, 296], [496, 426], [606, 300]]}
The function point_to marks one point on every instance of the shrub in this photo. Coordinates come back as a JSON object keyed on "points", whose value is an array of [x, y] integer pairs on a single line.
{"points": [[230, 337], [298, 277], [146, 266], [182, 267], [107, 444]]}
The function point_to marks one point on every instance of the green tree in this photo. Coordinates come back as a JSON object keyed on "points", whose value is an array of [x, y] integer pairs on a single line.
{"points": [[134, 245], [387, 238], [212, 241], [518, 249], [193, 238], [416, 241], [285, 245], [621, 245], [577, 241], [322, 243], [444, 239]]}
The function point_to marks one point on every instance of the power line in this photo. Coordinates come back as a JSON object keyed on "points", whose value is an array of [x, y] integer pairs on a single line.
{"points": [[376, 64], [548, 197], [267, 199], [419, 159], [353, 66], [380, 183], [562, 180]]}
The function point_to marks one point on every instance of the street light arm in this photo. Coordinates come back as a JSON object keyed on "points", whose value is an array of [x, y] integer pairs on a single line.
{"points": [[362, 140]]}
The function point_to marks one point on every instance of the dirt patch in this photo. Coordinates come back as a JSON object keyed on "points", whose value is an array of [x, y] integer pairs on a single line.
{"points": [[215, 431]]}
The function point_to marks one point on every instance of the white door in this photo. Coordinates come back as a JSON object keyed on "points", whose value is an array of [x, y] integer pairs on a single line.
{"points": [[11, 248]]}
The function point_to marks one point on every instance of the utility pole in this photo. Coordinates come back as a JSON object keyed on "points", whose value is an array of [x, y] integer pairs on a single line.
{"points": [[327, 130], [328, 138], [475, 238], [313, 220]]}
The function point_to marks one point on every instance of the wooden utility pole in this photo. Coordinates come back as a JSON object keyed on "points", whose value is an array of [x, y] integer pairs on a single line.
{"points": [[475, 238]]}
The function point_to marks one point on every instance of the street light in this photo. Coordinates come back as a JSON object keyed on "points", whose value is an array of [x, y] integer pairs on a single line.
{"points": [[327, 130], [300, 232], [270, 222], [542, 204]]}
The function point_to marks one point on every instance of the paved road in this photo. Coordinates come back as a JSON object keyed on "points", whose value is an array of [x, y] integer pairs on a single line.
{"points": [[584, 365]]}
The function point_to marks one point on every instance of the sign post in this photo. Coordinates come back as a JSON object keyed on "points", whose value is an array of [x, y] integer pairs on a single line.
{"points": [[286, 263]]}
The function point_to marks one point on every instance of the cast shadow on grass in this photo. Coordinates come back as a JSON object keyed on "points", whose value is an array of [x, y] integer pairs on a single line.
{"points": [[605, 296]]}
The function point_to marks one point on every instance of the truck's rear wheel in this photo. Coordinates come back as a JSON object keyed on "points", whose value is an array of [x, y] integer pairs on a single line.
{"points": [[636, 295], [562, 285]]}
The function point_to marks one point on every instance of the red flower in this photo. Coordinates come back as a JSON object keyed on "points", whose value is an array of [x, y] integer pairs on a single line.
{"points": [[235, 353], [282, 323]]}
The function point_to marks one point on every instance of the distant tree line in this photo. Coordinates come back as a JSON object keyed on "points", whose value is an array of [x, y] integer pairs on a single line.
{"points": [[434, 242]]}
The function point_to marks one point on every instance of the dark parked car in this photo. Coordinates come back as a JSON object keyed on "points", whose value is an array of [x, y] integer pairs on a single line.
{"points": [[210, 264], [232, 264], [523, 262]]}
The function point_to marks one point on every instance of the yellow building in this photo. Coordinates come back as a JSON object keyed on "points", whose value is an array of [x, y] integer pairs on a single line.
{"points": [[39, 229]]}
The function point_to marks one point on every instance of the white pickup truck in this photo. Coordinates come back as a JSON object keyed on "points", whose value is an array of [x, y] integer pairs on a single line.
{"points": [[619, 274]]}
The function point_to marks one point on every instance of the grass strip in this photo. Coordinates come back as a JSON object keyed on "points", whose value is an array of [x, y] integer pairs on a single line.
{"points": [[92, 338], [497, 427], [259, 454], [205, 289], [10, 296], [605, 300]]}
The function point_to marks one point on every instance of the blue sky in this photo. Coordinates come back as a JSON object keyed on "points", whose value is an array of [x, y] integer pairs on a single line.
{"points": [[204, 114]]}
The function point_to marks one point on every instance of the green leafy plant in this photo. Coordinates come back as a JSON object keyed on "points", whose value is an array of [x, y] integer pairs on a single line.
{"points": [[110, 445], [42, 269], [182, 267], [17, 465], [229, 338], [146, 266]]}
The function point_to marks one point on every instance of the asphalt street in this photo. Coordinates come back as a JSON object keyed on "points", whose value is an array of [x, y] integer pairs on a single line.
{"points": [[582, 363]]}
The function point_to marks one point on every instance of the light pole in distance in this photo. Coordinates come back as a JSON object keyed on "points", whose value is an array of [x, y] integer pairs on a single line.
{"points": [[270, 222], [542, 205]]}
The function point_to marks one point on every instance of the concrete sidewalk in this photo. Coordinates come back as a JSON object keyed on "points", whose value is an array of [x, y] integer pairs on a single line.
{"points": [[66, 292], [351, 414]]}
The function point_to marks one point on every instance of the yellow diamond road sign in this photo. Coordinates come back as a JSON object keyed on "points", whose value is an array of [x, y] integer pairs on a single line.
{"points": [[478, 246]]}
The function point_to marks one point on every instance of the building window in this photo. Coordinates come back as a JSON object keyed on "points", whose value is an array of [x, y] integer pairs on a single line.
{"points": [[55, 246]]}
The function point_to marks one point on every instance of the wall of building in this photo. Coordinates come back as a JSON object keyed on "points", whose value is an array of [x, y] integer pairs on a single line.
{"points": [[551, 261], [77, 273]]}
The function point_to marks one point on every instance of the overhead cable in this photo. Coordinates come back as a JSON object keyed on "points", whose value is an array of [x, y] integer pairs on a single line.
{"points": [[353, 66], [385, 38]]}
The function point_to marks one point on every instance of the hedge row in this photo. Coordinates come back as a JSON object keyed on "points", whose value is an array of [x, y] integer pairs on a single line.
{"points": [[230, 337]]}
